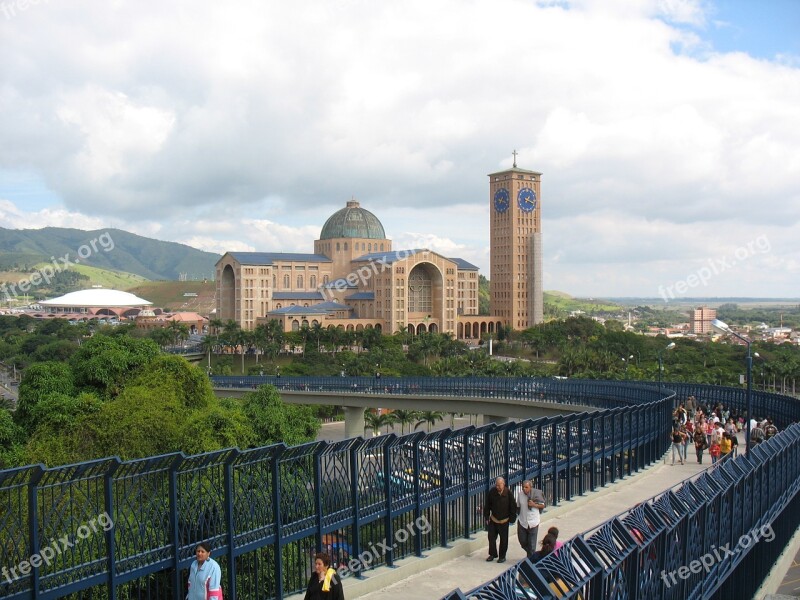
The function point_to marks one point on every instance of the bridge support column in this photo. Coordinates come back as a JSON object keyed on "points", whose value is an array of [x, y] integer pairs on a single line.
{"points": [[353, 421], [495, 419]]}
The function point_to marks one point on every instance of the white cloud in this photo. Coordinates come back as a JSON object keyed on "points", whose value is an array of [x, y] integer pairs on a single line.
{"points": [[244, 126], [12, 217]]}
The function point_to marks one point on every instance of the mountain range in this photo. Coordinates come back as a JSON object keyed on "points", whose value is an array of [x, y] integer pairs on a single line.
{"points": [[114, 249]]}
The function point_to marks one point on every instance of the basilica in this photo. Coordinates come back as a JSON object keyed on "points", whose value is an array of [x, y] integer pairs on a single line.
{"points": [[355, 280]]}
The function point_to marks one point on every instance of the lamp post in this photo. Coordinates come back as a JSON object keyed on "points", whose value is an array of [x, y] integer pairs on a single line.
{"points": [[669, 346], [723, 327], [626, 361]]}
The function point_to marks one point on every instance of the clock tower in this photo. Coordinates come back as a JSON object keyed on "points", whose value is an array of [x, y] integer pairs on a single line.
{"points": [[515, 206]]}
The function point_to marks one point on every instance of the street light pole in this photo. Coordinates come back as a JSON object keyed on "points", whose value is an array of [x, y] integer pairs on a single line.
{"points": [[627, 361], [669, 346], [723, 327]]}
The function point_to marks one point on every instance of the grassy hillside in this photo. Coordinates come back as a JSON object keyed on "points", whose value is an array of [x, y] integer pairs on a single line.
{"points": [[561, 304], [170, 294], [108, 279], [111, 249]]}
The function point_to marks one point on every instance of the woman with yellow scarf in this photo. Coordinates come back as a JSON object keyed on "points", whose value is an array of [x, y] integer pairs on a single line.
{"points": [[324, 583]]}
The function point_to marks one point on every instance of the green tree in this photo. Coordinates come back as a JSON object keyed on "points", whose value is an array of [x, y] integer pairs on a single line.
{"points": [[405, 417], [179, 332], [429, 417], [193, 387], [272, 420], [12, 437], [221, 426], [39, 382], [104, 362], [374, 421]]}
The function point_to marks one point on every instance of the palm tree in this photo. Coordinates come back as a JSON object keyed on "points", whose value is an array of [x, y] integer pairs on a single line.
{"points": [[179, 331], [405, 417], [317, 332], [431, 417], [216, 325], [242, 339], [208, 343], [161, 336], [374, 421]]}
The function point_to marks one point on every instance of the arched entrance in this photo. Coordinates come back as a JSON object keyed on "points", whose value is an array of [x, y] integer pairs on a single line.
{"points": [[424, 299], [227, 292]]}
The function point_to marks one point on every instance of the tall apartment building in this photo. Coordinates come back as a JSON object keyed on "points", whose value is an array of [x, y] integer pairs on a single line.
{"points": [[516, 294], [701, 318]]}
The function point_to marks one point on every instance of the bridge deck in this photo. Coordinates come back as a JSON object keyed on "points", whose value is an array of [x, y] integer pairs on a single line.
{"points": [[464, 565]]}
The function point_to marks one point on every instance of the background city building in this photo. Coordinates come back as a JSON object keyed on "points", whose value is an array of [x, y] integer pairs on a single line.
{"points": [[701, 319]]}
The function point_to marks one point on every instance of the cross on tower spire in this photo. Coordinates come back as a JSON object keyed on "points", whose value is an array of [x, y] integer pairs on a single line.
{"points": [[514, 153]]}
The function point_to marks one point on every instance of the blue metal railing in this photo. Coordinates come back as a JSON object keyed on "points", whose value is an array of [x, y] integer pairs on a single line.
{"points": [[266, 510], [715, 536]]}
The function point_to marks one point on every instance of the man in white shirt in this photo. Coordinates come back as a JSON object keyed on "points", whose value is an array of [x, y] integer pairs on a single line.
{"points": [[530, 503]]}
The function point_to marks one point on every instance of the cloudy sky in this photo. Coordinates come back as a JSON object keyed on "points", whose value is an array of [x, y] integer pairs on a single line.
{"points": [[668, 131]]}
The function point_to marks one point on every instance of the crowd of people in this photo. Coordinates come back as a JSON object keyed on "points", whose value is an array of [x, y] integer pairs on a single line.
{"points": [[712, 428]]}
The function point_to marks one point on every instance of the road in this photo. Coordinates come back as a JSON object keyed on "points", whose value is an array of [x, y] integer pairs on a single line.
{"points": [[334, 432]]}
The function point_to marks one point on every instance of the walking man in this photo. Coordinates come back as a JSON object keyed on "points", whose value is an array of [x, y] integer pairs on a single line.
{"points": [[498, 511], [530, 503]]}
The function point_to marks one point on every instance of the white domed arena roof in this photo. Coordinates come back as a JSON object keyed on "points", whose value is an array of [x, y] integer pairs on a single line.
{"points": [[98, 298]]}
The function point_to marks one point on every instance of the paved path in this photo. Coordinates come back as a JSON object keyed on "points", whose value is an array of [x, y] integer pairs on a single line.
{"points": [[571, 518], [790, 587]]}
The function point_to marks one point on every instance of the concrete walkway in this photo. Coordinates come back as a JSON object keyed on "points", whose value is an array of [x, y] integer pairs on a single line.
{"points": [[464, 564]]}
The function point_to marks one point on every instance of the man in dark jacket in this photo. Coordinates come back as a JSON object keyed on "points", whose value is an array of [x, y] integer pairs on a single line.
{"points": [[499, 510]]}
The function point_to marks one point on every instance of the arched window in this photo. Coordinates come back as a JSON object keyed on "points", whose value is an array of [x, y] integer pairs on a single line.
{"points": [[295, 325], [369, 248], [345, 245], [277, 306], [286, 282], [324, 280], [299, 282], [312, 281], [381, 247], [419, 290], [274, 281], [337, 246]]}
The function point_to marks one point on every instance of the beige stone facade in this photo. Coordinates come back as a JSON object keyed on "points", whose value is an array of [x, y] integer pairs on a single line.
{"points": [[354, 280], [516, 292]]}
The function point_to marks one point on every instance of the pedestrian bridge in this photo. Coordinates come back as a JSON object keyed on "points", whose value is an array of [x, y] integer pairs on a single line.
{"points": [[267, 510], [498, 400]]}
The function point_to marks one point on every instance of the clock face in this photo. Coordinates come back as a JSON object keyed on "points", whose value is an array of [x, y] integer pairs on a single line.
{"points": [[526, 199], [501, 201]]}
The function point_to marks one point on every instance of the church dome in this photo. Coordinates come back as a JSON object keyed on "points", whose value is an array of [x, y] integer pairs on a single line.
{"points": [[352, 222]]}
